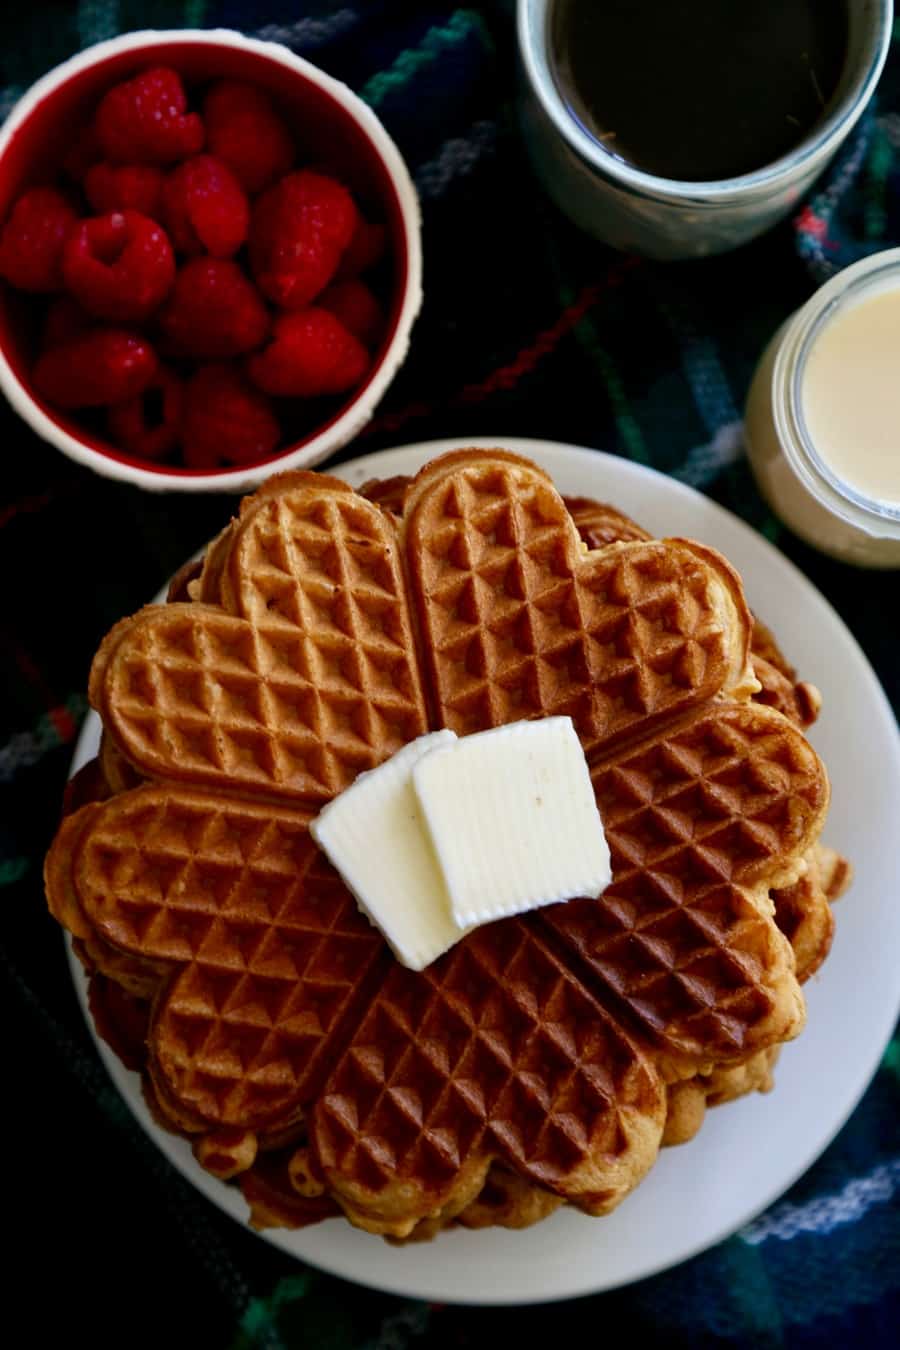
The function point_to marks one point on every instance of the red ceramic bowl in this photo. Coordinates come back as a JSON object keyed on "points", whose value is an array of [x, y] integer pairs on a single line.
{"points": [[332, 125]]}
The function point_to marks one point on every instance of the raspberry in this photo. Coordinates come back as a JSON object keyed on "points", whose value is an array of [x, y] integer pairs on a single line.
{"points": [[143, 121], [82, 153], [311, 353], [119, 266], [32, 240], [149, 424], [225, 418], [102, 366], [204, 208], [124, 187], [213, 311], [244, 130], [364, 250], [65, 319], [354, 304], [298, 231]]}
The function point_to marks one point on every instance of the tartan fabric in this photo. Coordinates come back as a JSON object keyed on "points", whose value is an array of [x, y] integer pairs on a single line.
{"points": [[528, 328]]}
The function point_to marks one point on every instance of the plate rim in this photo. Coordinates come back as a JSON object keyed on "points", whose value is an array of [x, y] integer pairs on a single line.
{"points": [[230, 1201]]}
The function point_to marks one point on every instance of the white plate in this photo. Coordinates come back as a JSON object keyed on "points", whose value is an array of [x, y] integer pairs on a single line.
{"points": [[746, 1155]]}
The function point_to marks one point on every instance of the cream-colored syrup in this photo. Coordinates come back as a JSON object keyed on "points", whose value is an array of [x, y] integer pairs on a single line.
{"points": [[850, 395]]}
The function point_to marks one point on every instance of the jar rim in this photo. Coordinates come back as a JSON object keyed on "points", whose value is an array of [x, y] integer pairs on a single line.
{"points": [[847, 287]]}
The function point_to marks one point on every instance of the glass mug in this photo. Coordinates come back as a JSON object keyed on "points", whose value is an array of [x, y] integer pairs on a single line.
{"points": [[668, 218]]}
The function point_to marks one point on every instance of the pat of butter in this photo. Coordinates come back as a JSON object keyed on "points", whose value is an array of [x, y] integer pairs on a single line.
{"points": [[513, 819], [374, 835]]}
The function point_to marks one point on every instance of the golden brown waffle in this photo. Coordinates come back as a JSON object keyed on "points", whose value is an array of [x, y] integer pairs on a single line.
{"points": [[600, 524], [802, 910], [494, 1051], [117, 772], [271, 950], [803, 913], [780, 688], [321, 636], [506, 1200], [519, 621], [689, 1100], [300, 677], [700, 824], [273, 1201], [509, 1201]]}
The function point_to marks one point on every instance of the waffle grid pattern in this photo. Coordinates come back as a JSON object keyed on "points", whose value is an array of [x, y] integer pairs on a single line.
{"points": [[312, 681], [271, 947], [693, 821], [521, 624], [497, 1040], [307, 674]]}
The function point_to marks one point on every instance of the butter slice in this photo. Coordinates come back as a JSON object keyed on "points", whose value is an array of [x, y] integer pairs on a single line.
{"points": [[513, 820], [375, 836]]}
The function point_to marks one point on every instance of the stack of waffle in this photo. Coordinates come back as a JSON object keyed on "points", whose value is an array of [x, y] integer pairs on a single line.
{"points": [[546, 1058]]}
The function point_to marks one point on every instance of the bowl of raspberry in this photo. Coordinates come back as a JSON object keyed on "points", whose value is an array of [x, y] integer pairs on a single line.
{"points": [[210, 260]]}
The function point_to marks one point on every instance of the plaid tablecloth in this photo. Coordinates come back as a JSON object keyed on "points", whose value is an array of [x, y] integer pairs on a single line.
{"points": [[528, 328]]}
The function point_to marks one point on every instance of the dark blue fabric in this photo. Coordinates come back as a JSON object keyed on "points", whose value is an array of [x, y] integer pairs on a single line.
{"points": [[528, 328]]}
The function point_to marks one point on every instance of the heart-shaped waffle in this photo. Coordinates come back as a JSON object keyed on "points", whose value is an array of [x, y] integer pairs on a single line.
{"points": [[298, 675], [802, 910], [322, 637]]}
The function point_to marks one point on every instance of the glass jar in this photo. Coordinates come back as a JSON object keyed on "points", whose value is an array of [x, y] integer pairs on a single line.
{"points": [[801, 487]]}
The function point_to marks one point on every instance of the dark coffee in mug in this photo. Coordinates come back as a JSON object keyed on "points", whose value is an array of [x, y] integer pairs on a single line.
{"points": [[698, 89]]}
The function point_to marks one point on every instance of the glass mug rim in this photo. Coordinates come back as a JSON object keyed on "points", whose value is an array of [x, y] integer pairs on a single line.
{"points": [[533, 40]]}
